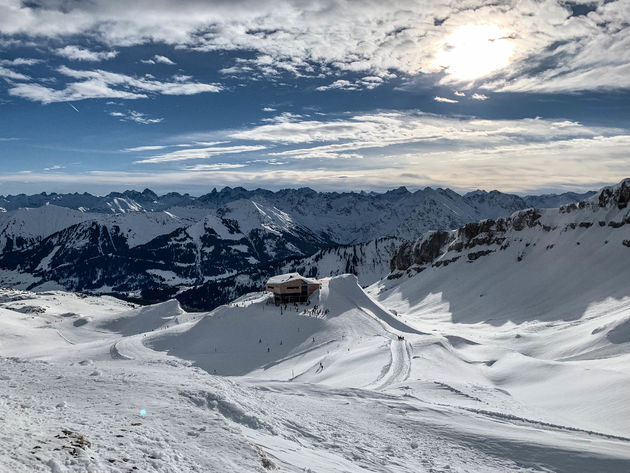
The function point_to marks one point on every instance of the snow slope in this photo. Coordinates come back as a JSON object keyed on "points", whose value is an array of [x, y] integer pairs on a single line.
{"points": [[26, 226], [74, 384], [538, 304]]}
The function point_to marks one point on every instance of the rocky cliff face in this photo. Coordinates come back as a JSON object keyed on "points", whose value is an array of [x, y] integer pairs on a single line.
{"points": [[608, 208]]}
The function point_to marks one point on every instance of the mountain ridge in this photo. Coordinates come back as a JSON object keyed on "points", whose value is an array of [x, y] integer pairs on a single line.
{"points": [[224, 244]]}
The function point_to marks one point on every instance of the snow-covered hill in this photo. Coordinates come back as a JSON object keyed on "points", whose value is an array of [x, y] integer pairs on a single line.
{"points": [[344, 383]]}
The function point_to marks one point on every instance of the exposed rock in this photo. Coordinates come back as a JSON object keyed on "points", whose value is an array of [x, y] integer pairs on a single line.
{"points": [[525, 219], [420, 252], [618, 195]]}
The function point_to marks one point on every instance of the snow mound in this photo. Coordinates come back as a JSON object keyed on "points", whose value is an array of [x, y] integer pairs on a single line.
{"points": [[144, 319], [341, 327]]}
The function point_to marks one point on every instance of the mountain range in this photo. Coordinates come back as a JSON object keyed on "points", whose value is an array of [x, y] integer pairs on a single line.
{"points": [[207, 250]]}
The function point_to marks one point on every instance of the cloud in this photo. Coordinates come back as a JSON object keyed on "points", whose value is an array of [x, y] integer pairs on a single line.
{"points": [[459, 94], [95, 84], [138, 117], [158, 59], [523, 169], [163, 59], [444, 100], [519, 155], [199, 153], [389, 127], [54, 167], [144, 148], [367, 82], [11, 74], [556, 50], [89, 89], [476, 96], [413, 139], [20, 61], [214, 167], [77, 53], [268, 109]]}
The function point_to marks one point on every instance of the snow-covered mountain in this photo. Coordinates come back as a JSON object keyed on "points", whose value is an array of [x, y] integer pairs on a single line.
{"points": [[222, 244], [144, 251], [340, 216], [553, 201], [581, 228]]}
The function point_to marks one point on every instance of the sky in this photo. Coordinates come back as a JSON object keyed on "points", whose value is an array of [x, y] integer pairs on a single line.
{"points": [[520, 96]]}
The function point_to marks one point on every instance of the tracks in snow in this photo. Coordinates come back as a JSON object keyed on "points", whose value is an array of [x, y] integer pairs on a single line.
{"points": [[399, 367]]}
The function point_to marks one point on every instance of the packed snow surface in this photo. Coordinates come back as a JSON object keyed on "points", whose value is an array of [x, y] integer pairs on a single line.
{"points": [[383, 380]]}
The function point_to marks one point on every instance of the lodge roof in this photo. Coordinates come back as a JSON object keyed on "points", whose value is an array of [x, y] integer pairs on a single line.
{"points": [[282, 278]]}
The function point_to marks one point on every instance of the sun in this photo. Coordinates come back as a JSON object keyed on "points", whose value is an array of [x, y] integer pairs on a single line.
{"points": [[474, 51]]}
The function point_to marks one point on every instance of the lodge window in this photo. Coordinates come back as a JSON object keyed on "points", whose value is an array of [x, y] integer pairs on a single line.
{"points": [[293, 287]]}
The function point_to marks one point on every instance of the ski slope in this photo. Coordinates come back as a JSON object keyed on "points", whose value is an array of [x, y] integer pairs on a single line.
{"points": [[329, 387]]}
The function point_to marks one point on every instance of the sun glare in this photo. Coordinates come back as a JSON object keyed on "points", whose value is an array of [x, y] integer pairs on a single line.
{"points": [[474, 51]]}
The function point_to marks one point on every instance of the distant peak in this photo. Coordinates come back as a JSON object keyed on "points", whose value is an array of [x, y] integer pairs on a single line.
{"points": [[397, 191], [476, 192], [148, 193]]}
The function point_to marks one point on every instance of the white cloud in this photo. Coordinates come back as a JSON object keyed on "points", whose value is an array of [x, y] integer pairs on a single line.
{"points": [[556, 51], [89, 89], [341, 84], [20, 61], [77, 53], [515, 155], [269, 109], [367, 82], [525, 169], [459, 94], [477, 96], [199, 153], [163, 59], [11, 74], [444, 100], [138, 117], [54, 167], [214, 167], [158, 59], [103, 84], [386, 128], [144, 148]]}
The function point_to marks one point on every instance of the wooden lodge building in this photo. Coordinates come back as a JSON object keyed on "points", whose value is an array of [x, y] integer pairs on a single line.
{"points": [[291, 287]]}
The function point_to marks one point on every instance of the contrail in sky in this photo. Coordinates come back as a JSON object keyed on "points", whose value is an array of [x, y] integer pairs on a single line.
{"points": [[75, 108]]}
